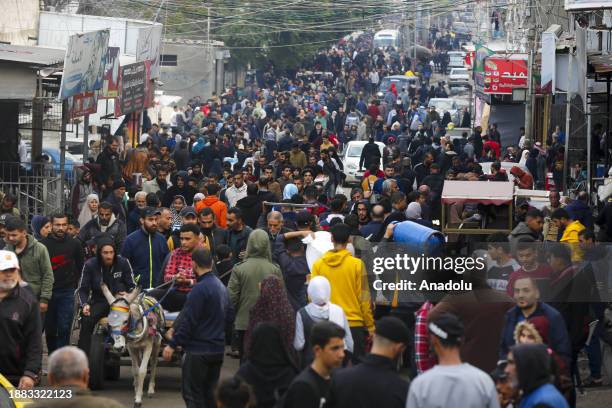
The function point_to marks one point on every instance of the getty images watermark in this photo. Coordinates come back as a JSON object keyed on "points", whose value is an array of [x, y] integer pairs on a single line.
{"points": [[402, 272]]}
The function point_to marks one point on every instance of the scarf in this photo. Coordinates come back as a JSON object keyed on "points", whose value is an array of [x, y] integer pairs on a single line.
{"points": [[319, 292]]}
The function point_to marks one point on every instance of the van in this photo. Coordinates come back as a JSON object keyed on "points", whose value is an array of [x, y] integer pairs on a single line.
{"points": [[400, 81], [386, 38], [456, 59]]}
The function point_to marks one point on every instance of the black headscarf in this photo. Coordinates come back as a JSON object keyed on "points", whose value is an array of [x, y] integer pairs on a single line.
{"points": [[269, 369], [532, 366]]}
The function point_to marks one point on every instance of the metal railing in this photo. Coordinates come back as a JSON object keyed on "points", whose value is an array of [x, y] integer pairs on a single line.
{"points": [[37, 188]]}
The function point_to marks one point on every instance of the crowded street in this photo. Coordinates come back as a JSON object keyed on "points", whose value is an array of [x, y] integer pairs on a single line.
{"points": [[285, 205]]}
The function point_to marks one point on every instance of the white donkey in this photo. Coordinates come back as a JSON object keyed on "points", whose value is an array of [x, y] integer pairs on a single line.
{"points": [[136, 322]]}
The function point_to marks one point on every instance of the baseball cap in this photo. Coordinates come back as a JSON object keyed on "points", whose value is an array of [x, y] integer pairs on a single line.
{"points": [[3, 218], [149, 212], [446, 326], [188, 211], [8, 260], [392, 328]]}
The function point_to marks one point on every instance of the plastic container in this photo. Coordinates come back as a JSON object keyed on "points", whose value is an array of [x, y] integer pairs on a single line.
{"points": [[600, 170], [419, 239]]}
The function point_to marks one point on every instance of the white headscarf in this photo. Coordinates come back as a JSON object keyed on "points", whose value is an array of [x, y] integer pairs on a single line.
{"points": [[319, 292], [413, 212], [86, 215]]}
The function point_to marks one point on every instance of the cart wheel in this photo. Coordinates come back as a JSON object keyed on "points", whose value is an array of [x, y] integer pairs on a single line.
{"points": [[97, 356]]}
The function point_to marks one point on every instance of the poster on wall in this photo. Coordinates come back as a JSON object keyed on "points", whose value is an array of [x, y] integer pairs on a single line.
{"points": [[84, 63], [148, 47], [110, 89]]}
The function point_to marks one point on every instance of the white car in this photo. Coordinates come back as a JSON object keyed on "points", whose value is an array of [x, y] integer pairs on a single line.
{"points": [[458, 76], [350, 159]]}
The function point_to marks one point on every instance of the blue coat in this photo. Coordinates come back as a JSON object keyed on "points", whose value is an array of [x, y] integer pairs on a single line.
{"points": [[201, 329], [558, 338], [146, 260], [547, 395]]}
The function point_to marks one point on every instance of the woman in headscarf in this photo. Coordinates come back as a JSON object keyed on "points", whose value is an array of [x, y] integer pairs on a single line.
{"points": [[272, 306], [413, 213], [41, 227], [90, 209], [319, 309], [180, 186], [178, 203], [269, 368], [289, 191], [137, 163]]}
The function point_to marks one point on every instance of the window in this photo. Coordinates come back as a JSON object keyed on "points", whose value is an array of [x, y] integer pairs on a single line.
{"points": [[168, 60]]}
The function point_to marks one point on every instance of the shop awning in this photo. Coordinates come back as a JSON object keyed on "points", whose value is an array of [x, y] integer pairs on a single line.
{"points": [[482, 192]]}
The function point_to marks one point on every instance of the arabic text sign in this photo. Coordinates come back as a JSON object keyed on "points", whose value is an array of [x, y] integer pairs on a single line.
{"points": [[148, 47], [133, 87], [84, 63], [110, 89], [502, 75]]}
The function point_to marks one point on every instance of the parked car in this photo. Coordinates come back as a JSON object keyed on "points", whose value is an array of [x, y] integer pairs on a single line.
{"points": [[458, 76], [350, 159], [400, 81], [456, 59]]}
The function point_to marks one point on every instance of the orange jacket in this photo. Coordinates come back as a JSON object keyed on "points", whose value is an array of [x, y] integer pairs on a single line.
{"points": [[217, 206]]}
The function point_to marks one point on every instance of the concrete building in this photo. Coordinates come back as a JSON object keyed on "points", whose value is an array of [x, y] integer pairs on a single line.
{"points": [[19, 21], [191, 68]]}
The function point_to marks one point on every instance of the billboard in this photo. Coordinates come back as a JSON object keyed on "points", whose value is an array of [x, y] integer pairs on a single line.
{"points": [[82, 104], [110, 89], [84, 63], [133, 89], [149, 46], [502, 74], [587, 4], [549, 46]]}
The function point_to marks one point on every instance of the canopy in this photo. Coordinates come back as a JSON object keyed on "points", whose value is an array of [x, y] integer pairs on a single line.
{"points": [[482, 192]]}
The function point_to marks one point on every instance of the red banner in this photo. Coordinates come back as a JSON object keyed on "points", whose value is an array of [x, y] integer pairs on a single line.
{"points": [[502, 74], [82, 104], [110, 88]]}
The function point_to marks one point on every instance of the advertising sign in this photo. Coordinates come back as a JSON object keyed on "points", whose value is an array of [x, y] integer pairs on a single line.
{"points": [[84, 63], [502, 74], [110, 89], [587, 4], [133, 88], [82, 104], [148, 47]]}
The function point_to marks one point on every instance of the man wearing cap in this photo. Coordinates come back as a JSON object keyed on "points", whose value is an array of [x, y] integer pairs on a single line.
{"points": [[188, 216], [106, 267], [375, 382], [178, 267], [116, 200], [146, 249], [34, 261], [451, 382], [20, 326]]}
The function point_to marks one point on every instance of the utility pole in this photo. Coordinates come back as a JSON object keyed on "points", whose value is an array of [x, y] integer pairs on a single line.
{"points": [[568, 102], [530, 96]]}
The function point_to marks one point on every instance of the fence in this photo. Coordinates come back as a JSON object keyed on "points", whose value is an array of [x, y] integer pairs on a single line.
{"points": [[36, 186]]}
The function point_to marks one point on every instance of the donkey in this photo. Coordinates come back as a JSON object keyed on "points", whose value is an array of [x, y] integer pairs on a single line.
{"points": [[136, 322]]}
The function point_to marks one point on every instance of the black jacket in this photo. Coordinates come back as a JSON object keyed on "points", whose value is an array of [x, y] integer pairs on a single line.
{"points": [[216, 236], [605, 221], [66, 260], [294, 269], [118, 278], [251, 209], [92, 229], [20, 331], [369, 155], [109, 165], [373, 383]]}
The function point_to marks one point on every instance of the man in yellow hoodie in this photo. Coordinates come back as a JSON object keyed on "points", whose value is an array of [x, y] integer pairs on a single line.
{"points": [[571, 230], [349, 284]]}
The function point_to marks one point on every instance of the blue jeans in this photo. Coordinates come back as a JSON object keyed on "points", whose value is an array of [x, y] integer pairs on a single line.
{"points": [[58, 319]]}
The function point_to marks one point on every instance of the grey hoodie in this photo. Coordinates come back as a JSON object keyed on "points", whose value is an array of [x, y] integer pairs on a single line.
{"points": [[522, 231]]}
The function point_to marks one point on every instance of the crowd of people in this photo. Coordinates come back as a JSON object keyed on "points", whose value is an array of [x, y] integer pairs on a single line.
{"points": [[220, 201]]}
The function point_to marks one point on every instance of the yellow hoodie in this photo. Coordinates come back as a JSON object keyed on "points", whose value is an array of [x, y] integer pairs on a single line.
{"points": [[570, 236], [349, 285]]}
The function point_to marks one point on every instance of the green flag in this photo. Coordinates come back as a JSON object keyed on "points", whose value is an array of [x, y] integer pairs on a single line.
{"points": [[482, 52]]}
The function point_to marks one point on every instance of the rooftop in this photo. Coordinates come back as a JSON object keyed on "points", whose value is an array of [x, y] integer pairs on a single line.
{"points": [[33, 55]]}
